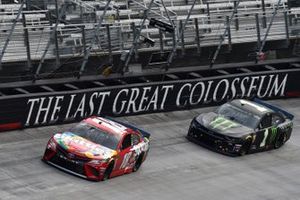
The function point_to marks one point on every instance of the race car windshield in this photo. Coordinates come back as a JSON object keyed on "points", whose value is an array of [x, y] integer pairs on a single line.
{"points": [[238, 115], [96, 135]]}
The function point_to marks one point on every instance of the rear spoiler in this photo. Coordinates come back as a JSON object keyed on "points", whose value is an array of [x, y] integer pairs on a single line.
{"points": [[144, 133], [275, 108]]}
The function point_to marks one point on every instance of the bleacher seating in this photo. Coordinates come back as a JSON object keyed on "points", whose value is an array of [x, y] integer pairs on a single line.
{"points": [[120, 16]]}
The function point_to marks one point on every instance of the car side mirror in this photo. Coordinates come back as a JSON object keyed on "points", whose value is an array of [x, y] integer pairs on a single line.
{"points": [[259, 127], [277, 122]]}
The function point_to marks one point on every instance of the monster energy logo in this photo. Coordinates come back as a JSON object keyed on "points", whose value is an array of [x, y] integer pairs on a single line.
{"points": [[222, 123], [273, 134]]}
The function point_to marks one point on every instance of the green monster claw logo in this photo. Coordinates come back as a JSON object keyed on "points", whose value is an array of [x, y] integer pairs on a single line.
{"points": [[273, 134], [222, 123]]}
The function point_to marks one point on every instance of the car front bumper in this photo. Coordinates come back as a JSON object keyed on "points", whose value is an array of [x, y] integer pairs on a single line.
{"points": [[214, 141], [76, 167]]}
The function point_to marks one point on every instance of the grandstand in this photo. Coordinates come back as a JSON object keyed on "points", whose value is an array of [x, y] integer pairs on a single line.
{"points": [[42, 39]]}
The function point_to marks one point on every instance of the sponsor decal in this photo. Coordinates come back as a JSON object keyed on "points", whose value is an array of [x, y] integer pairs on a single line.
{"points": [[132, 155], [286, 126], [273, 134], [222, 123], [141, 147], [74, 143]]}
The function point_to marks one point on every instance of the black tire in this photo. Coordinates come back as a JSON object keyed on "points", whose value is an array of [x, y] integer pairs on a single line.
{"points": [[108, 171], [138, 163], [280, 139], [245, 148]]}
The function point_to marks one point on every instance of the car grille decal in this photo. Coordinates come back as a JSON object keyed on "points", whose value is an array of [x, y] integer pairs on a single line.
{"points": [[222, 123]]}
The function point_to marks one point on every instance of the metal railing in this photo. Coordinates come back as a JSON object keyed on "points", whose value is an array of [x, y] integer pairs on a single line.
{"points": [[201, 30]]}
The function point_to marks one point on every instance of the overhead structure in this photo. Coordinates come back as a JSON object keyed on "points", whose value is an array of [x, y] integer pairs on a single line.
{"points": [[88, 50], [165, 23], [173, 52], [146, 32], [222, 38], [53, 33], [11, 32], [269, 28], [296, 47]]}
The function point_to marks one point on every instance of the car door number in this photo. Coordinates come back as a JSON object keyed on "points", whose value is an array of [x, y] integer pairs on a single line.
{"points": [[263, 142], [126, 159]]}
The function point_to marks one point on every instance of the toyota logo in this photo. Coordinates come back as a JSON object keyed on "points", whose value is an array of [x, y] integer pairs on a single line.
{"points": [[70, 155]]}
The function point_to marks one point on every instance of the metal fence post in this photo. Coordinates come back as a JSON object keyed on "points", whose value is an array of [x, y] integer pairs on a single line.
{"points": [[197, 36], [26, 40], [83, 40], [95, 14], [81, 12], [208, 16], [174, 40], [228, 33], [133, 27], [264, 20], [57, 60], [236, 16], [109, 43], [286, 28], [258, 31], [161, 43], [289, 15], [182, 38]]}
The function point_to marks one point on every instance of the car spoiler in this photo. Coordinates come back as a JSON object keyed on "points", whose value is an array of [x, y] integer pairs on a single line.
{"points": [[275, 108], [144, 133]]}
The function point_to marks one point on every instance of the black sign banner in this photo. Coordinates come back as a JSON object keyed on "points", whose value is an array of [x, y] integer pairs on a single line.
{"points": [[62, 107]]}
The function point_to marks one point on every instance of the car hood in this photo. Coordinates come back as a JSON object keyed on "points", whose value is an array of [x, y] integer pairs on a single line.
{"points": [[82, 147], [222, 125]]}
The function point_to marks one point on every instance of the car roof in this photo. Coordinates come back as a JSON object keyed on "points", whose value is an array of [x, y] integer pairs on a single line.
{"points": [[251, 107], [107, 125]]}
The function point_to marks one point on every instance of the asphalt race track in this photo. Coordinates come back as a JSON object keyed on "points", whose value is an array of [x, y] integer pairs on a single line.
{"points": [[175, 168]]}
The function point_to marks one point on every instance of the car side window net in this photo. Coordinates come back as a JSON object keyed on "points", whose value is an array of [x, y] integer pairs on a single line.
{"points": [[276, 119], [135, 139], [265, 122], [126, 142]]}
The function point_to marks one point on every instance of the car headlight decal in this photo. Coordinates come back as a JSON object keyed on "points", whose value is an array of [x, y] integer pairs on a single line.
{"points": [[51, 144], [96, 162], [237, 147]]}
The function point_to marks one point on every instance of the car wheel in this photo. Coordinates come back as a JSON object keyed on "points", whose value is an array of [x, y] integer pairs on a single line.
{"points": [[108, 171], [138, 163], [279, 140], [245, 148]]}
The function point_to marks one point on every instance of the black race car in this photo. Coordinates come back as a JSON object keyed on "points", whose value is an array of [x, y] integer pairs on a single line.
{"points": [[241, 126]]}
